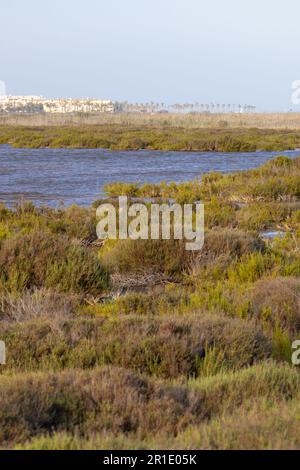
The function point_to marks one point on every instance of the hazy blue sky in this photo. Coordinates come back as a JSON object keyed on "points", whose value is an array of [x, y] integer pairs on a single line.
{"points": [[226, 51]]}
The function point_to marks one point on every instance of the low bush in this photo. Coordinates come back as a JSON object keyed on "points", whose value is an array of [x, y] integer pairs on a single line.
{"points": [[165, 346], [164, 256], [277, 302], [115, 401], [42, 260], [224, 247], [37, 304]]}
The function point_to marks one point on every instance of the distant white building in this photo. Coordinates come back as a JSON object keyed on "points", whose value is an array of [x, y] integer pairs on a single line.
{"points": [[39, 104]]}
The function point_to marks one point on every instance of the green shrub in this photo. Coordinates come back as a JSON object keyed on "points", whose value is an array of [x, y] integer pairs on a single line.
{"points": [[164, 256], [224, 247], [250, 267], [43, 260]]}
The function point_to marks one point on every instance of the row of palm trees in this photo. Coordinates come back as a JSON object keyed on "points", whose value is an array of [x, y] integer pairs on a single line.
{"points": [[187, 107]]}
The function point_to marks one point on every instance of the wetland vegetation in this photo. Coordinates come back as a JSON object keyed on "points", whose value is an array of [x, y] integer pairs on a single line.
{"points": [[156, 136], [141, 344]]}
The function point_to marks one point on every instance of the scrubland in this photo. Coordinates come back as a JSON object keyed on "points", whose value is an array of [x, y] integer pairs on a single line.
{"points": [[159, 135], [144, 345]]}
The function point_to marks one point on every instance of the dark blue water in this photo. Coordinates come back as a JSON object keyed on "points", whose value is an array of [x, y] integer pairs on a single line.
{"points": [[53, 176]]}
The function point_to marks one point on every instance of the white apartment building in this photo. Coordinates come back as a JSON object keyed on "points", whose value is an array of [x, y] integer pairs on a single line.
{"points": [[39, 104]]}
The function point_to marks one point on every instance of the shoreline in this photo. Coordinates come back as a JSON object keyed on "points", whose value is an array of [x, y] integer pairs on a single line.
{"points": [[148, 150]]}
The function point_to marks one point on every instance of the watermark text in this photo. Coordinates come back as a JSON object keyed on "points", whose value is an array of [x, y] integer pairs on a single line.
{"points": [[140, 221]]}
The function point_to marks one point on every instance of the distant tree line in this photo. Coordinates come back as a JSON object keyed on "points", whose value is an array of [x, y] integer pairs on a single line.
{"points": [[155, 107]]}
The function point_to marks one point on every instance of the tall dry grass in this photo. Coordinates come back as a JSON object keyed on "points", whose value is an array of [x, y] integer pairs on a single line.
{"points": [[190, 120]]}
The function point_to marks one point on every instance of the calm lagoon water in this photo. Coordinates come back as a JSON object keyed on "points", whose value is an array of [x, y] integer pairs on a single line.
{"points": [[56, 176]]}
